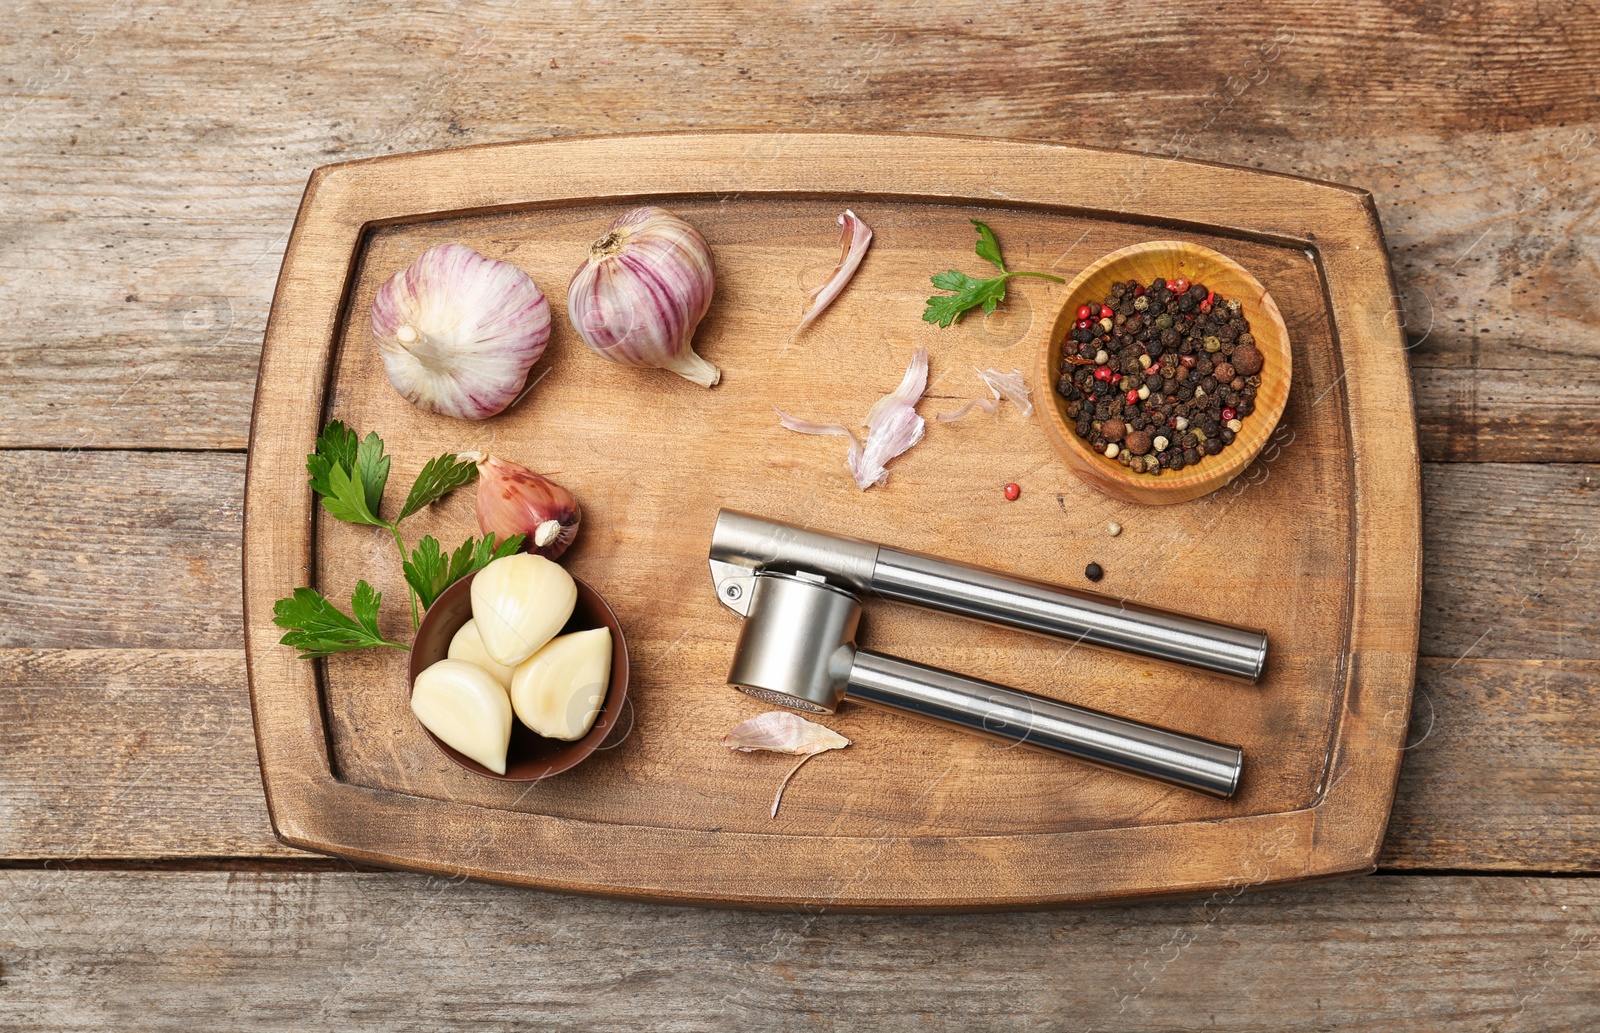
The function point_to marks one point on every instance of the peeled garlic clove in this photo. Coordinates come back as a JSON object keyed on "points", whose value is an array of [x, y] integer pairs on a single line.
{"points": [[467, 709], [558, 691], [458, 332], [644, 288], [514, 500], [467, 645], [519, 603]]}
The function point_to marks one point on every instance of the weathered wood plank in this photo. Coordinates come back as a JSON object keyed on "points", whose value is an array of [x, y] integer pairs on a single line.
{"points": [[1500, 769], [151, 166], [396, 952], [148, 754], [1511, 561], [121, 549], [129, 753], [110, 549]]}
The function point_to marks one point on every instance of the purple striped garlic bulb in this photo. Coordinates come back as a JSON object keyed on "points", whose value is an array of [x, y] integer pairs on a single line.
{"points": [[458, 332], [642, 291]]}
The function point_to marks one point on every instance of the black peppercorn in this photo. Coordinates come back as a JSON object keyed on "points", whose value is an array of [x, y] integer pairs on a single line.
{"points": [[1093, 572]]}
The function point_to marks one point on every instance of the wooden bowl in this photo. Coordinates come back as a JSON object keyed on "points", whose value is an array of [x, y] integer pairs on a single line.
{"points": [[1169, 259], [531, 756]]}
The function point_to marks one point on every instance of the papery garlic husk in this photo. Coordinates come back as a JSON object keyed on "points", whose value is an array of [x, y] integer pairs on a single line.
{"points": [[644, 288], [783, 732], [893, 426], [467, 709], [558, 691], [467, 645], [458, 332], [519, 603], [513, 500]]}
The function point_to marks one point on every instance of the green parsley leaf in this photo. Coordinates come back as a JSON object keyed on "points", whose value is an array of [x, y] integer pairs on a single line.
{"points": [[440, 477], [970, 292], [429, 571], [347, 499], [945, 309], [349, 474], [319, 628], [336, 446], [373, 467], [989, 246]]}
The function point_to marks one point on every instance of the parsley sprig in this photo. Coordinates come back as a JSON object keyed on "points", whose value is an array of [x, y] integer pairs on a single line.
{"points": [[969, 291], [350, 473]]}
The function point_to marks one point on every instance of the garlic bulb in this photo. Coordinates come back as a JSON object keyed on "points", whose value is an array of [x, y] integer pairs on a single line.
{"points": [[519, 602], [467, 709], [458, 332], [514, 500], [642, 291], [467, 645], [557, 691]]}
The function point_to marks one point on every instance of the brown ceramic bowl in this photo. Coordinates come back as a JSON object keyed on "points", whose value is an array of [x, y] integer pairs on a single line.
{"points": [[531, 755], [1170, 259]]}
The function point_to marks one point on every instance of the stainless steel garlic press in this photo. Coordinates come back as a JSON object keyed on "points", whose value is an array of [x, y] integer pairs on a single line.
{"points": [[799, 591]]}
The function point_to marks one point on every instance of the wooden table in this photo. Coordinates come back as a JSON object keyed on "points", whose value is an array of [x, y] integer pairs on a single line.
{"points": [[150, 165]]}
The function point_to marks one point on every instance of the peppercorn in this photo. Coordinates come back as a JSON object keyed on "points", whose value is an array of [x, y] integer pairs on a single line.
{"points": [[1160, 355], [1094, 572], [1247, 359], [1013, 492]]}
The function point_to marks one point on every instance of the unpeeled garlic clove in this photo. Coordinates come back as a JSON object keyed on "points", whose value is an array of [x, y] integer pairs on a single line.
{"points": [[512, 500], [467, 709], [519, 603], [558, 691], [467, 645]]}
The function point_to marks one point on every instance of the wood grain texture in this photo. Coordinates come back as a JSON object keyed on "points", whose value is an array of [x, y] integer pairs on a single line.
{"points": [[1500, 768], [1326, 750], [129, 753], [147, 754], [120, 548], [1512, 561], [152, 164], [160, 952], [1504, 781], [1511, 557]]}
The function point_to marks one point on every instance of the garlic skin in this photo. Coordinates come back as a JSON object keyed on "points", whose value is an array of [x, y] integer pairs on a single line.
{"points": [[467, 709], [643, 290], [514, 500], [783, 732], [458, 332], [519, 603], [467, 645], [558, 691]]}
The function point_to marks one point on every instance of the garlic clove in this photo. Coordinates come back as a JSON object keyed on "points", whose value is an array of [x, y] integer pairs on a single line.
{"points": [[519, 603], [458, 331], [558, 691], [467, 645], [514, 500], [467, 709]]}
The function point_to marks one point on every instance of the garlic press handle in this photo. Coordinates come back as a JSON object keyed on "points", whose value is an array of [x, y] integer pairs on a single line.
{"points": [[1067, 613], [1011, 715]]}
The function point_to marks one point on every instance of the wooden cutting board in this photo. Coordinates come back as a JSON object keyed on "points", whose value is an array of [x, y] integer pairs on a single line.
{"points": [[1318, 542]]}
